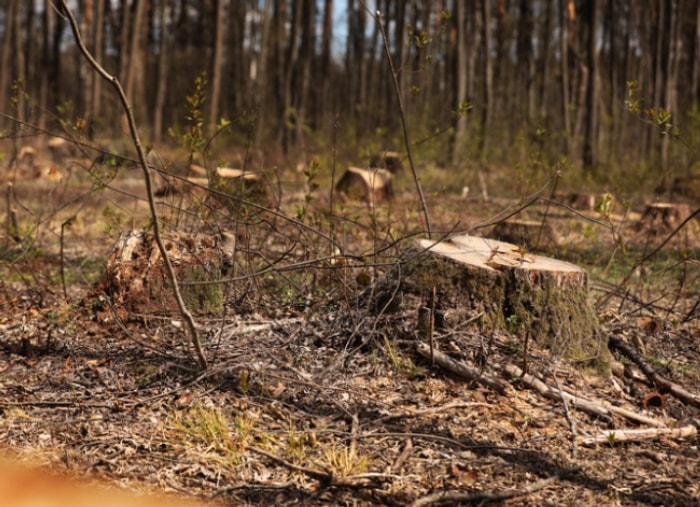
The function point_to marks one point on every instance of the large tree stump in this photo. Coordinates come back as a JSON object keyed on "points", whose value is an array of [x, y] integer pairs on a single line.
{"points": [[528, 295], [136, 282]]}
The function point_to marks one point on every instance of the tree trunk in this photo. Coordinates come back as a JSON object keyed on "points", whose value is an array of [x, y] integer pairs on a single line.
{"points": [[695, 85], [460, 132], [525, 63], [590, 141], [325, 71], [44, 69], [487, 80], [123, 44], [95, 105], [5, 52], [244, 66], [136, 59], [263, 81], [162, 80], [217, 64], [20, 64]]}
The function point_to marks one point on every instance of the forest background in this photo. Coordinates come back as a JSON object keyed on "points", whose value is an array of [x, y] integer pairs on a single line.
{"points": [[503, 83]]}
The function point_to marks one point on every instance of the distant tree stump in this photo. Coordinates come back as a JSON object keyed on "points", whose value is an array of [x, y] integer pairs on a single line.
{"points": [[663, 215], [661, 218], [233, 189], [370, 185], [389, 160], [525, 294], [688, 186], [61, 149], [136, 282], [529, 233], [591, 201]]}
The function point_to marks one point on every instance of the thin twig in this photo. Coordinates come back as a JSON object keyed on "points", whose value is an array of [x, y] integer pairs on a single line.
{"points": [[633, 269], [453, 497], [172, 277], [406, 139], [567, 413]]}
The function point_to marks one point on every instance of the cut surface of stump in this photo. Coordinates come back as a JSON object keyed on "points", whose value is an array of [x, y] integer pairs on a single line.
{"points": [[530, 233], [135, 279], [529, 295], [370, 185]]}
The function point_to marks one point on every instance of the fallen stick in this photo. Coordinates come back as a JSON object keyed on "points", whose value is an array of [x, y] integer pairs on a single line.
{"points": [[483, 497], [637, 435], [461, 369], [615, 343], [604, 411]]}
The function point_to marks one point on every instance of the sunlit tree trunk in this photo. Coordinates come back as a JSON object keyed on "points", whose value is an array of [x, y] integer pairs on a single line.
{"points": [[325, 71], [135, 67], [44, 67], [162, 79], [590, 142], [217, 64], [20, 63], [5, 53], [122, 45], [487, 79], [262, 82], [461, 60], [244, 68], [97, 50]]}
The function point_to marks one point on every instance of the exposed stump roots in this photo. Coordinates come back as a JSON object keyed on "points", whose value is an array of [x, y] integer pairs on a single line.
{"points": [[135, 279]]}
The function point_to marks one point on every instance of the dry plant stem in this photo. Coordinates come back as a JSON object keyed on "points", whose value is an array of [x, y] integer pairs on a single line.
{"points": [[481, 498], [604, 412], [172, 278], [567, 413], [638, 435], [62, 258], [657, 380], [461, 369], [406, 139], [644, 259]]}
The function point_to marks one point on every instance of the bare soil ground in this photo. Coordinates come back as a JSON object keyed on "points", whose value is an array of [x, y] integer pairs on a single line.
{"points": [[310, 397]]}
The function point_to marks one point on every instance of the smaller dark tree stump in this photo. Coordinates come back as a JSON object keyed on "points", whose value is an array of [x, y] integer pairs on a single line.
{"points": [[530, 233], [136, 282]]}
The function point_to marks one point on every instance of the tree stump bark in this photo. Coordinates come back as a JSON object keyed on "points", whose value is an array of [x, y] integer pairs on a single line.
{"points": [[661, 218], [370, 185], [664, 215], [543, 299], [136, 282]]}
